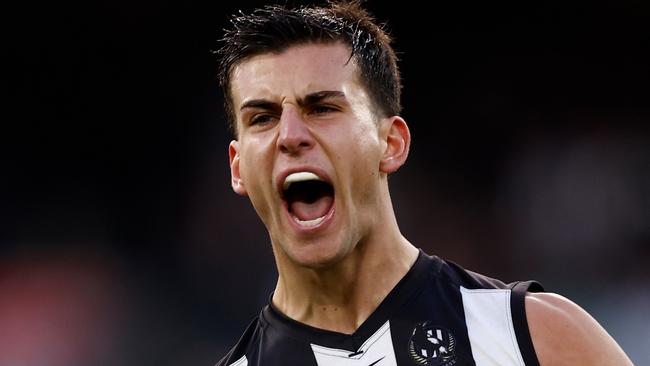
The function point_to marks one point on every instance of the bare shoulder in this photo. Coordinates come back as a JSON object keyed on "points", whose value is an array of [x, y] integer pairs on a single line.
{"points": [[565, 334]]}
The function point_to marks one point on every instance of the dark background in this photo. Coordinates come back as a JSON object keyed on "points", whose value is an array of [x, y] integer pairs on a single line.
{"points": [[121, 242]]}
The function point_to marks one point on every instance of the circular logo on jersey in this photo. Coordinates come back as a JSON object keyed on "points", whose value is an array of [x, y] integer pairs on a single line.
{"points": [[432, 345]]}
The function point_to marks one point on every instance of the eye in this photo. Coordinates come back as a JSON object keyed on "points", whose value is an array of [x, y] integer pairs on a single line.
{"points": [[261, 119], [323, 109]]}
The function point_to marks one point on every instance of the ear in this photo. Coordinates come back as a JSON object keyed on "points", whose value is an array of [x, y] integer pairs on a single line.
{"points": [[235, 178], [397, 138]]}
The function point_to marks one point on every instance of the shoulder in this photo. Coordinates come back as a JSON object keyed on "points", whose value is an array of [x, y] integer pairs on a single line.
{"points": [[458, 275], [565, 334]]}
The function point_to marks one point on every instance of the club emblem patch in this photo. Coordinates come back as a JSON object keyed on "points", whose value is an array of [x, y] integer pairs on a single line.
{"points": [[432, 345]]}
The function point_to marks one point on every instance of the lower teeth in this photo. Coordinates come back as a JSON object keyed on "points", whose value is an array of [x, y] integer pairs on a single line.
{"points": [[309, 223]]}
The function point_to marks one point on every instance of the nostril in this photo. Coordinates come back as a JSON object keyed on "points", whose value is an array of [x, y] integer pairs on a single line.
{"points": [[291, 149], [294, 143]]}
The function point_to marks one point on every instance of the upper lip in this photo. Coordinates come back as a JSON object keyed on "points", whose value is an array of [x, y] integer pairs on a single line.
{"points": [[285, 173]]}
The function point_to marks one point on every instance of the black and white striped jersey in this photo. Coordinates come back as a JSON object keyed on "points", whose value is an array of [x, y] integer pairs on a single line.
{"points": [[439, 314]]}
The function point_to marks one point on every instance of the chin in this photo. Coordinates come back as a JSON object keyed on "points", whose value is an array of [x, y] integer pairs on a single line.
{"points": [[316, 255]]}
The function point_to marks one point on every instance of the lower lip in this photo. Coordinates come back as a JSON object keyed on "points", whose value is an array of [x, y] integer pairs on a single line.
{"points": [[327, 220]]}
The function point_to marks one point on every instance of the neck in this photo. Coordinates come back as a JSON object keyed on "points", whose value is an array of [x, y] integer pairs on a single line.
{"points": [[342, 296]]}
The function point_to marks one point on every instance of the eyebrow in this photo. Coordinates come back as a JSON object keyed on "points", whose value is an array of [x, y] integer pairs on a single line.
{"points": [[309, 99], [316, 97]]}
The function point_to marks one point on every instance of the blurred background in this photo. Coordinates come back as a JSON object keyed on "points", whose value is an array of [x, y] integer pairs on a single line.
{"points": [[121, 242]]}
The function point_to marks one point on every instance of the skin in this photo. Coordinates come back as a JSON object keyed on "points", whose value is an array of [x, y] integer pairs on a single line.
{"points": [[305, 109], [565, 334], [327, 277]]}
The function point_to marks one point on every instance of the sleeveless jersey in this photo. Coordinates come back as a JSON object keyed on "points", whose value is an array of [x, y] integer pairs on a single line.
{"points": [[439, 314]]}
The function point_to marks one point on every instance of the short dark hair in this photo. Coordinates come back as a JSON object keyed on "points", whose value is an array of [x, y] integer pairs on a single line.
{"points": [[274, 28]]}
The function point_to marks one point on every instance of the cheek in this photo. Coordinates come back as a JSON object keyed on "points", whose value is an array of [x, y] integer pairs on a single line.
{"points": [[261, 203], [367, 151], [364, 167], [256, 177]]}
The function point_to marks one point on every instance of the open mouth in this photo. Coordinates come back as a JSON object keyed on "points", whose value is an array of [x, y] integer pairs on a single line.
{"points": [[309, 198]]}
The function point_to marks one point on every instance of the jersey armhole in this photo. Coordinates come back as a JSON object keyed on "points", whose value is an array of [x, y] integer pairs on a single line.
{"points": [[518, 308]]}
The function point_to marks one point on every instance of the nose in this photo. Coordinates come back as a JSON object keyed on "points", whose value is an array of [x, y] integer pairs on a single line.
{"points": [[294, 136]]}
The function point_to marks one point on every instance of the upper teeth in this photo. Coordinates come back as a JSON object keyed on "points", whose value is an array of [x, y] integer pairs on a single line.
{"points": [[299, 177]]}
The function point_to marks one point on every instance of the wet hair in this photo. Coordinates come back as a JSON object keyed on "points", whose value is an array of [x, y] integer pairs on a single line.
{"points": [[274, 28]]}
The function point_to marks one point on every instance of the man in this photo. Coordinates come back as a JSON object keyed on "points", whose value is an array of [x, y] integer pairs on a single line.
{"points": [[314, 97]]}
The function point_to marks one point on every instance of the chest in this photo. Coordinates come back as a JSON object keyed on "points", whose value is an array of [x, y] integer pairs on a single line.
{"points": [[471, 327]]}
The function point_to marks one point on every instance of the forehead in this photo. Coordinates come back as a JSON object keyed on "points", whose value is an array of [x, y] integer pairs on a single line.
{"points": [[297, 71]]}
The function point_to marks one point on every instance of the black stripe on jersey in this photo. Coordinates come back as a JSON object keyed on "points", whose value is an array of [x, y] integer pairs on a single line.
{"points": [[518, 306]]}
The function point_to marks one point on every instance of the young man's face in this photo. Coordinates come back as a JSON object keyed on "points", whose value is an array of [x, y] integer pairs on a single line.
{"points": [[308, 151]]}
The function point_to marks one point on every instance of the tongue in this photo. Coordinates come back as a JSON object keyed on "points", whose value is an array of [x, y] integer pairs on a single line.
{"points": [[313, 210]]}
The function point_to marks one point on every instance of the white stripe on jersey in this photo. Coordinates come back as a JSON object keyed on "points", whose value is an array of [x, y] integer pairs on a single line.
{"points": [[243, 361], [378, 347], [490, 329]]}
